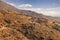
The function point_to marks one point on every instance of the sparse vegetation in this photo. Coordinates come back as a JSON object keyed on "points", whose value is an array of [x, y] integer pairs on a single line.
{"points": [[56, 27], [50, 38], [8, 25], [24, 26], [14, 25], [41, 38], [7, 21]]}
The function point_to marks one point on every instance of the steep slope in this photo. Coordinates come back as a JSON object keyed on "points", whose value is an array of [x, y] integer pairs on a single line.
{"points": [[54, 18], [10, 8], [57, 18], [16, 26], [38, 15]]}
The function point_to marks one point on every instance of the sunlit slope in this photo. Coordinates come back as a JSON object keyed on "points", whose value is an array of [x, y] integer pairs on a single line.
{"points": [[16, 26]]}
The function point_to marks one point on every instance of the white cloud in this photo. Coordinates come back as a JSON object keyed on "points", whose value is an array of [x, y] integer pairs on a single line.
{"points": [[11, 4], [25, 5], [48, 11], [53, 11]]}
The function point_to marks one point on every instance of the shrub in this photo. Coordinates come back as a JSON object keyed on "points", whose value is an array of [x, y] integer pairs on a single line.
{"points": [[56, 27], [7, 25], [7, 21], [41, 38], [30, 26]]}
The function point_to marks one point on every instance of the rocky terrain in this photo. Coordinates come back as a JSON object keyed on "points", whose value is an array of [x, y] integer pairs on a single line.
{"points": [[16, 25]]}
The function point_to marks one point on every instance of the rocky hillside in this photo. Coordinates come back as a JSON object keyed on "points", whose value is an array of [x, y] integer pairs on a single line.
{"points": [[54, 18], [17, 26]]}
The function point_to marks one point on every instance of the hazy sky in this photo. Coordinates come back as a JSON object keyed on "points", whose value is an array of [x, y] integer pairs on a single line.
{"points": [[47, 7]]}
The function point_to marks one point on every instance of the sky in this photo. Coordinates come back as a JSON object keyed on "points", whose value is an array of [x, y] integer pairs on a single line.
{"points": [[46, 7]]}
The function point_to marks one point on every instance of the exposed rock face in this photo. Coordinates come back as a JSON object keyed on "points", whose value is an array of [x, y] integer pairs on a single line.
{"points": [[16, 26]]}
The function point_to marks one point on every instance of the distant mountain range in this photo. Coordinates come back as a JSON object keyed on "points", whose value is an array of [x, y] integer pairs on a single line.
{"points": [[16, 24]]}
